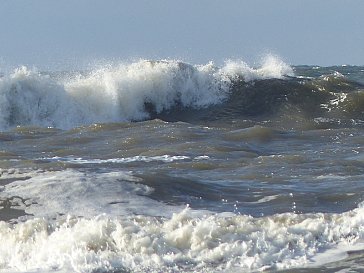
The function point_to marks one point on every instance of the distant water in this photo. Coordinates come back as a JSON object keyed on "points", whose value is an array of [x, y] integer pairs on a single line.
{"points": [[164, 166]]}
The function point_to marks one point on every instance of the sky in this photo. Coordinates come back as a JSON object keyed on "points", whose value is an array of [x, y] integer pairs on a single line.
{"points": [[52, 34]]}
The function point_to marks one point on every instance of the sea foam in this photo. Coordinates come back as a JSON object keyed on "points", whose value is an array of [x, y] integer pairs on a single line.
{"points": [[181, 243], [86, 194], [95, 221]]}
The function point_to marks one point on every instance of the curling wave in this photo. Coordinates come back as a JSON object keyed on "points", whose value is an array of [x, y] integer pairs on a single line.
{"points": [[173, 90]]}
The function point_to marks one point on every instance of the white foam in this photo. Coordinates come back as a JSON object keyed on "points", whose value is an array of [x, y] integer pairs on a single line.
{"points": [[271, 67], [28, 98], [113, 225], [119, 93], [49, 194], [138, 158], [181, 243], [266, 199]]}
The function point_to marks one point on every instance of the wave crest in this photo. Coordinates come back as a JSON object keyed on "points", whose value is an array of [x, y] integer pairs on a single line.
{"points": [[125, 92]]}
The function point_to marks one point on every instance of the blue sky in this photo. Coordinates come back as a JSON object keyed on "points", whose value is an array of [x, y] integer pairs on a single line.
{"points": [[56, 34]]}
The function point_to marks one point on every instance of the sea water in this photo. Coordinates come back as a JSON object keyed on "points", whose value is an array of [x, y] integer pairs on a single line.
{"points": [[165, 166]]}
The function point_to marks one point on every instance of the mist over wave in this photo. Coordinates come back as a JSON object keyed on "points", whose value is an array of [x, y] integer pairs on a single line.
{"points": [[125, 92]]}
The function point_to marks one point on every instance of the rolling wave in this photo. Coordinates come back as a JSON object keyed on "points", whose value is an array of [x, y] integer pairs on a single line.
{"points": [[173, 90]]}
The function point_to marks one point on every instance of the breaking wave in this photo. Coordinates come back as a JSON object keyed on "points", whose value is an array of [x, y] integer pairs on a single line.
{"points": [[120, 93], [163, 238], [183, 242], [173, 90]]}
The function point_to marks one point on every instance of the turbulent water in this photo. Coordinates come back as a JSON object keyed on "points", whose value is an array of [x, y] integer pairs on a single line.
{"points": [[164, 166]]}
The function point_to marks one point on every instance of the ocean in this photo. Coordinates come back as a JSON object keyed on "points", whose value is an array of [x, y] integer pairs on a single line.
{"points": [[166, 166]]}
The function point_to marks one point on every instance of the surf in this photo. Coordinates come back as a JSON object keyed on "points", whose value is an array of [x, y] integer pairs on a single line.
{"points": [[173, 90], [123, 92]]}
